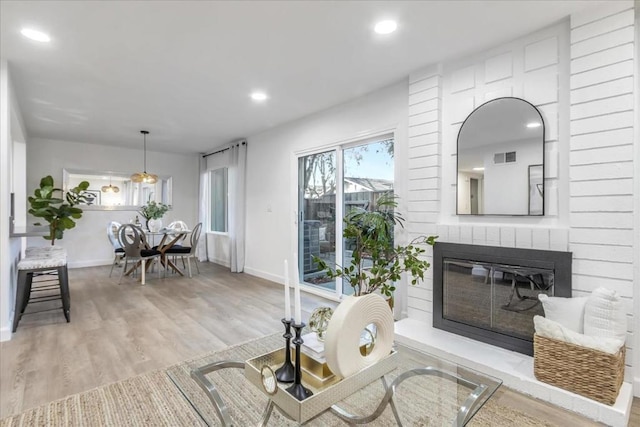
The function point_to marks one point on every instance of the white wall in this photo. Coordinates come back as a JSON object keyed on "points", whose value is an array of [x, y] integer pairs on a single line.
{"points": [[87, 243], [12, 136], [19, 184], [271, 165], [580, 74], [506, 185]]}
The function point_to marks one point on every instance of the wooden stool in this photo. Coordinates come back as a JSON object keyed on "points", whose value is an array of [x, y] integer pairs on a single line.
{"points": [[42, 262]]}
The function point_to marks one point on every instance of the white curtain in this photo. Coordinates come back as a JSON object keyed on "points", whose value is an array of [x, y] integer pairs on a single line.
{"points": [[202, 211], [237, 178]]}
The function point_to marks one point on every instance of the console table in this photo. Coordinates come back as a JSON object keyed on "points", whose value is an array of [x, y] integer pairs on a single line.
{"points": [[418, 389]]}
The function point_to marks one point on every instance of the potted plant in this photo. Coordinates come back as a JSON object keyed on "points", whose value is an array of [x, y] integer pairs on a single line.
{"points": [[59, 212], [376, 263], [153, 212]]}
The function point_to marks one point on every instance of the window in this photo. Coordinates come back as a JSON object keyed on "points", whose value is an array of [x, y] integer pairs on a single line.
{"points": [[218, 207]]}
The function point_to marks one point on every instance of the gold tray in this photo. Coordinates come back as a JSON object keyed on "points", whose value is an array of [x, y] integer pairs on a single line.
{"points": [[318, 373], [326, 392], [313, 372]]}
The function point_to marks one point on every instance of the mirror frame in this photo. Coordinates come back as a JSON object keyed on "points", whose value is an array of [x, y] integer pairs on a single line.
{"points": [[65, 179], [528, 189]]}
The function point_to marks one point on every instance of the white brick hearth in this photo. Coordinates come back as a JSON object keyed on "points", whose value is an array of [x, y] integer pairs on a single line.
{"points": [[514, 369]]}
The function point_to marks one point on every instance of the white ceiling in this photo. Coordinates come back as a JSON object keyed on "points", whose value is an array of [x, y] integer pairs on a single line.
{"points": [[184, 69]]}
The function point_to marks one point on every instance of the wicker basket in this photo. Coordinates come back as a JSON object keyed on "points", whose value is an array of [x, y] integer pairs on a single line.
{"points": [[590, 373]]}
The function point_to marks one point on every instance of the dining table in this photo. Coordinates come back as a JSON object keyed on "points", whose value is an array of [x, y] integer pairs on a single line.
{"points": [[169, 238]]}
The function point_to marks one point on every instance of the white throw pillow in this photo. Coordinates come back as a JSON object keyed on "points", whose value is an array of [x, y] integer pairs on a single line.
{"points": [[604, 315], [569, 312], [550, 329]]}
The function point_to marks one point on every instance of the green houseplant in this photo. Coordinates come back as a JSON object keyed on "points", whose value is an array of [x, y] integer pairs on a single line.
{"points": [[153, 211], [375, 262], [57, 207]]}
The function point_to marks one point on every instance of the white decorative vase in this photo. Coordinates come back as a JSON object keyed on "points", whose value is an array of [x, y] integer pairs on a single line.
{"points": [[155, 225], [342, 339]]}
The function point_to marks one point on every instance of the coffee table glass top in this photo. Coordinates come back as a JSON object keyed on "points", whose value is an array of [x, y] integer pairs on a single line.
{"points": [[428, 391]]}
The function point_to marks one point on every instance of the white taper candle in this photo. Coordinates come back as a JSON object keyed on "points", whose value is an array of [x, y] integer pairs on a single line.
{"points": [[296, 289], [287, 298]]}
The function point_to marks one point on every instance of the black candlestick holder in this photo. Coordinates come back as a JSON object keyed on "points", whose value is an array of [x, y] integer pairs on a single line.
{"points": [[286, 372], [297, 390]]}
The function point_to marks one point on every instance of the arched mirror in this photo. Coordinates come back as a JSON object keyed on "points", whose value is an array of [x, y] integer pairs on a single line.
{"points": [[501, 160]]}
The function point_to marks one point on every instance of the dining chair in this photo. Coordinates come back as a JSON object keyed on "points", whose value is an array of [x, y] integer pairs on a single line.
{"points": [[188, 252], [178, 226], [136, 249], [112, 234]]}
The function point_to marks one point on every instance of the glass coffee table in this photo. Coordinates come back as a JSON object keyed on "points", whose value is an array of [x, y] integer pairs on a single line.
{"points": [[417, 389]]}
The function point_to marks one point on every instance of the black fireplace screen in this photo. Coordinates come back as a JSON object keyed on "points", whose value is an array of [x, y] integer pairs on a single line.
{"points": [[491, 294], [501, 298]]}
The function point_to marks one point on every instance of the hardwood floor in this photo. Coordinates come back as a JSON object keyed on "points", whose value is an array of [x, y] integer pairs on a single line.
{"points": [[118, 331]]}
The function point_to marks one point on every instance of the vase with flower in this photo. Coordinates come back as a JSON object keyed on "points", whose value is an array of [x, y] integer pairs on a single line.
{"points": [[153, 212]]}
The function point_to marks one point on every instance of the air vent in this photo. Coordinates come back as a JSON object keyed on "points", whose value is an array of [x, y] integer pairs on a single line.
{"points": [[499, 158]]}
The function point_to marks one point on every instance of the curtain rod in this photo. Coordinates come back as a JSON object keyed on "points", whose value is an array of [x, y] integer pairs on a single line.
{"points": [[223, 150]]}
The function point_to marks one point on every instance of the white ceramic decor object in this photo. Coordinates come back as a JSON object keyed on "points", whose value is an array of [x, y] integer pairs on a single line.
{"points": [[342, 340]]}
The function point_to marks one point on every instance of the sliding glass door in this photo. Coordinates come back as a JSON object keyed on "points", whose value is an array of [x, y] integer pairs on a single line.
{"points": [[330, 184], [368, 175], [317, 218]]}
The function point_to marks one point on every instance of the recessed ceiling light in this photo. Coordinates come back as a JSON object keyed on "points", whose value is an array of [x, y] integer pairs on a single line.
{"points": [[259, 96], [533, 125], [478, 169], [385, 27], [36, 35]]}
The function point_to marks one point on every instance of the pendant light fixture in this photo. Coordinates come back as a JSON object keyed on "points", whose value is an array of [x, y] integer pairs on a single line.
{"points": [[144, 177], [110, 188]]}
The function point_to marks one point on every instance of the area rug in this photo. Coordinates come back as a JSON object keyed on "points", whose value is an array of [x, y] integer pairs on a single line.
{"points": [[153, 399]]}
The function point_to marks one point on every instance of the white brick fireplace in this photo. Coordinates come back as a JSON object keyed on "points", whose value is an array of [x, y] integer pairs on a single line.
{"points": [[582, 76]]}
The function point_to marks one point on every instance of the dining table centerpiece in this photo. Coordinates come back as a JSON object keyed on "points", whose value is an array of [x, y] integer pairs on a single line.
{"points": [[153, 212]]}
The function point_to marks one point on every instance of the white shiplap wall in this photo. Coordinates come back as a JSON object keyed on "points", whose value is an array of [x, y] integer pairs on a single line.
{"points": [[601, 154], [529, 68], [580, 74], [424, 174]]}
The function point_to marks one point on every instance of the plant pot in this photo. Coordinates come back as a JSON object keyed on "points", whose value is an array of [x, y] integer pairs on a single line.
{"points": [[154, 225], [390, 301]]}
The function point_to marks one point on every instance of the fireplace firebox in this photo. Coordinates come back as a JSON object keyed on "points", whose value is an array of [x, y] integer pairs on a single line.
{"points": [[491, 293]]}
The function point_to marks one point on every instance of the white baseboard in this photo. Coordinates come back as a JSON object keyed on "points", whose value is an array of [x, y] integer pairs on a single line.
{"points": [[264, 275], [280, 279], [90, 263], [636, 386], [220, 261], [5, 333]]}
